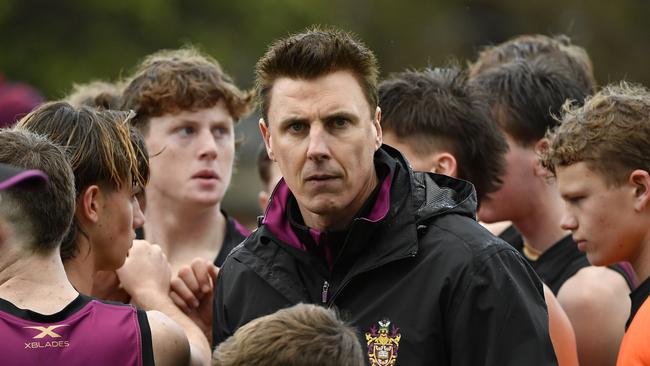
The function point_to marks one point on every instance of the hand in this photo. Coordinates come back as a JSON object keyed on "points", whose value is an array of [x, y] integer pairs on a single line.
{"points": [[192, 290], [145, 272], [106, 286]]}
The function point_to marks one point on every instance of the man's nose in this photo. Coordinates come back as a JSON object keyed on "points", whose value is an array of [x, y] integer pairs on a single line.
{"points": [[318, 148]]}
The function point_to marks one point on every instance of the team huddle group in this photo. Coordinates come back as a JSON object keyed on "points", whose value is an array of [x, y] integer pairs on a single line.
{"points": [[494, 214]]}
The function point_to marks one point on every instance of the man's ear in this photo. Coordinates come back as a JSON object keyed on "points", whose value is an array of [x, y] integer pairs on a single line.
{"points": [[379, 138], [539, 147], [445, 163], [266, 135], [89, 204], [640, 180]]}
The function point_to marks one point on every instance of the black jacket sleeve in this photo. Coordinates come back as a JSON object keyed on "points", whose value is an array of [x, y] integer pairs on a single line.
{"points": [[498, 315]]}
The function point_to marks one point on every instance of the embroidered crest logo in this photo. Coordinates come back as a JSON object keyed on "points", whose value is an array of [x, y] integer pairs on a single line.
{"points": [[383, 344]]}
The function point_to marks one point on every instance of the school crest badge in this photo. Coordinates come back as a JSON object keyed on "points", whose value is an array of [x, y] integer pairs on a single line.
{"points": [[383, 344]]}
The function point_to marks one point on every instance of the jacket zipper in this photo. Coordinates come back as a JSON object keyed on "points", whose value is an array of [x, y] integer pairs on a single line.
{"points": [[325, 293]]}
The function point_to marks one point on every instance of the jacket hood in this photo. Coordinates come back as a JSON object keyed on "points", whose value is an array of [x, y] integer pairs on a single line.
{"points": [[431, 195], [435, 194]]}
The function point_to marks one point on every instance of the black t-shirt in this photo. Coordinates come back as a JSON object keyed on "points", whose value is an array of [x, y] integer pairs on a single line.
{"points": [[557, 264], [235, 234], [638, 297], [561, 261]]}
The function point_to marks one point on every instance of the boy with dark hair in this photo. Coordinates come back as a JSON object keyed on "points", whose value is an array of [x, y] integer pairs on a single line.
{"points": [[303, 334], [43, 319], [351, 226], [601, 159], [110, 167], [525, 95], [443, 126]]}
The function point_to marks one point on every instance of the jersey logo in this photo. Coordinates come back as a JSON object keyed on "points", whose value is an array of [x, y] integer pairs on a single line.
{"points": [[47, 331], [383, 344]]}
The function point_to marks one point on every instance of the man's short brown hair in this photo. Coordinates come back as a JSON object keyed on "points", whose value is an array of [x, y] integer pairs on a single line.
{"points": [[101, 147], [611, 133], [39, 218], [173, 81], [301, 335], [96, 94], [531, 46], [313, 53]]}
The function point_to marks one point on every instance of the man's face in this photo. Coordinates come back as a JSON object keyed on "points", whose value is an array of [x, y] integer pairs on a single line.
{"points": [[514, 200], [601, 218], [120, 216], [323, 137], [192, 154]]}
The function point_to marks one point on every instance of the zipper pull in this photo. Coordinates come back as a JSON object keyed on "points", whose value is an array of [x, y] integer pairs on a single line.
{"points": [[325, 293]]}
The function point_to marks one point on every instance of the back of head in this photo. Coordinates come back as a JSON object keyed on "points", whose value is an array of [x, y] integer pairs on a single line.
{"points": [[96, 94], [298, 336], [101, 147], [533, 46], [173, 81], [525, 96], [313, 53], [436, 110], [610, 133], [40, 218]]}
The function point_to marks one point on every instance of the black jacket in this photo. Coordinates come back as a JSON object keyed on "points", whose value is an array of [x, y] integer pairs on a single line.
{"points": [[426, 272]]}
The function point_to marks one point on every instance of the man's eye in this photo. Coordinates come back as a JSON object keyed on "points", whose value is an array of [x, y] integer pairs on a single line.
{"points": [[220, 131], [296, 127], [340, 122], [185, 131]]}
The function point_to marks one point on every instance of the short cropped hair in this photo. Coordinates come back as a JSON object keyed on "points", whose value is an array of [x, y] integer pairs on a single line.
{"points": [[97, 94], [437, 110], [525, 96], [302, 335], [173, 81], [316, 52], [610, 133], [531, 46], [101, 147], [40, 218]]}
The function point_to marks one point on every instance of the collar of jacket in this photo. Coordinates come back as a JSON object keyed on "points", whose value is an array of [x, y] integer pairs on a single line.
{"points": [[414, 199]]}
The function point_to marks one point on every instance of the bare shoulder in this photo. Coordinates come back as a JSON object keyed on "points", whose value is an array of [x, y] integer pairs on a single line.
{"points": [[594, 285], [170, 345]]}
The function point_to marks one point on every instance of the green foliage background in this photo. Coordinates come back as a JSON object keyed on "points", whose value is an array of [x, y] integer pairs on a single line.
{"points": [[51, 44]]}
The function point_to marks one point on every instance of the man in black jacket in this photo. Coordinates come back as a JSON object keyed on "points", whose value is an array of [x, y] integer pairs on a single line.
{"points": [[351, 226]]}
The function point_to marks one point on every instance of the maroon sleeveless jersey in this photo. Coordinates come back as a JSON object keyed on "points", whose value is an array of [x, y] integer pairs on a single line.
{"points": [[86, 332]]}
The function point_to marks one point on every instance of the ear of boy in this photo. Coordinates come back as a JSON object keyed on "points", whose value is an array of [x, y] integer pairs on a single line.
{"points": [[90, 205], [640, 181], [445, 163]]}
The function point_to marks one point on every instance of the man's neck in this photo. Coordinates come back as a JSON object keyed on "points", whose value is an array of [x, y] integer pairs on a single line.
{"points": [[540, 227], [81, 268], [183, 232], [36, 282]]}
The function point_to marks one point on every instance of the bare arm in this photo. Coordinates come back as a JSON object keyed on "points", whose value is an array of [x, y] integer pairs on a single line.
{"points": [[561, 331], [170, 346], [596, 301], [145, 276]]}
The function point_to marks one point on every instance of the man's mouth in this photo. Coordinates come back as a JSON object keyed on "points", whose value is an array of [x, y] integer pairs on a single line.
{"points": [[206, 174]]}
